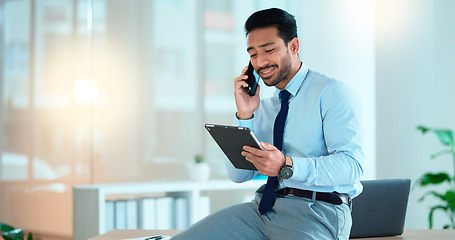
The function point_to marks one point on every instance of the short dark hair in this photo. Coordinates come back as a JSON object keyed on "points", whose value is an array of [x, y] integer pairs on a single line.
{"points": [[285, 22]]}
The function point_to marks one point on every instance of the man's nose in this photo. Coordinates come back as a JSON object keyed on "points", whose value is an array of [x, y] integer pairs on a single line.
{"points": [[262, 60]]}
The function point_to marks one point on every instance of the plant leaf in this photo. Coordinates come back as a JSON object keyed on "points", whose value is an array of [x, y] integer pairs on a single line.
{"points": [[430, 178], [430, 215], [440, 196], [30, 236], [423, 129], [445, 136], [8, 237], [5, 227], [450, 199], [14, 234], [433, 156]]}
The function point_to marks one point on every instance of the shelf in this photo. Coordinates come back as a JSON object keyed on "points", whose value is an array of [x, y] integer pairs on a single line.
{"points": [[89, 201]]}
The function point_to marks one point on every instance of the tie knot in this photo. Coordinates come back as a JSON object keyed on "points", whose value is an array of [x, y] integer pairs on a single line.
{"points": [[284, 95]]}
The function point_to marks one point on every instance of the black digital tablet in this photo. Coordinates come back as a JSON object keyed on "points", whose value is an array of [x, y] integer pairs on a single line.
{"points": [[231, 140]]}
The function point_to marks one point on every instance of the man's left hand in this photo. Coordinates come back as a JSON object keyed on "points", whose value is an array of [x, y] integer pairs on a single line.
{"points": [[268, 161]]}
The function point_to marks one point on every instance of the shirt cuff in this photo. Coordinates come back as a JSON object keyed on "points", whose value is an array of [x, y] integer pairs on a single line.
{"points": [[301, 169], [245, 122]]}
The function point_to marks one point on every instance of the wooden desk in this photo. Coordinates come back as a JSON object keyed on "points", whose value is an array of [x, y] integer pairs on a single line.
{"points": [[124, 234], [407, 235], [448, 234]]}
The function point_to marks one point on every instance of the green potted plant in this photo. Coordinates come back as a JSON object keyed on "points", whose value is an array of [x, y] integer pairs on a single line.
{"points": [[199, 171], [10, 233], [447, 199]]}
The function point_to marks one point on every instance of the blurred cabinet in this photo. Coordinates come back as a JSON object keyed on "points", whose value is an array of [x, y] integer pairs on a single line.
{"points": [[90, 201]]}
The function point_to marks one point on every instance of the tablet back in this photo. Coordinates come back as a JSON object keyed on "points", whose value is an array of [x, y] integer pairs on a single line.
{"points": [[231, 140]]}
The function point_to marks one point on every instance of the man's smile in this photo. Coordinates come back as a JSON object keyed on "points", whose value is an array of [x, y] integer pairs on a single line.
{"points": [[267, 72]]}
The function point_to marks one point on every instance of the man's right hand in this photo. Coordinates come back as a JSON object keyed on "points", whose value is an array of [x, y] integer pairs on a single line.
{"points": [[246, 104]]}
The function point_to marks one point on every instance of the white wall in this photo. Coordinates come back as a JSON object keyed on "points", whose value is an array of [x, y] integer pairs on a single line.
{"points": [[415, 83], [337, 39], [399, 57]]}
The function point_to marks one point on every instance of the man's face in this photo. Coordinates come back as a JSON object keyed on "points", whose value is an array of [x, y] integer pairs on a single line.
{"points": [[270, 56]]}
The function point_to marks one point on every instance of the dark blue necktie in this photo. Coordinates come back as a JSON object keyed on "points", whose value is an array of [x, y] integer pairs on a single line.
{"points": [[268, 197]]}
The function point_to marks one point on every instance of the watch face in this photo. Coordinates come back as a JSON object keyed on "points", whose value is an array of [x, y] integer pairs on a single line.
{"points": [[286, 172]]}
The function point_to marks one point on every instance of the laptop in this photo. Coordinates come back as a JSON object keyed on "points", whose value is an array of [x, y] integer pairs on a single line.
{"points": [[380, 209]]}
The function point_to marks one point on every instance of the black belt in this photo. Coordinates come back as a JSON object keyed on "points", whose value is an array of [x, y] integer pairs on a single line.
{"points": [[333, 198]]}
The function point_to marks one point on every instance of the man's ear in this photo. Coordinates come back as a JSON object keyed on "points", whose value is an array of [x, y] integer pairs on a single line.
{"points": [[294, 45]]}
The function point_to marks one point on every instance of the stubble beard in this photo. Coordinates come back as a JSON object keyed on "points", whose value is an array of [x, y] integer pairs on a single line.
{"points": [[282, 74]]}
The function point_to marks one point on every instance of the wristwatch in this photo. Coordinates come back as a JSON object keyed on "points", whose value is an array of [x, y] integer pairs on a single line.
{"points": [[286, 170]]}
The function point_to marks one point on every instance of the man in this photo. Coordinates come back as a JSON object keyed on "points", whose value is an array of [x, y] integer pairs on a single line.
{"points": [[311, 134]]}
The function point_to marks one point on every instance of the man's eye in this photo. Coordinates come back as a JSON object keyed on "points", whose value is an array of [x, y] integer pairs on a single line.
{"points": [[270, 50], [253, 55]]}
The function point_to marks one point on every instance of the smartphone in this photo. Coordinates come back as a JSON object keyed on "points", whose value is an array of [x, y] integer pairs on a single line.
{"points": [[251, 80]]}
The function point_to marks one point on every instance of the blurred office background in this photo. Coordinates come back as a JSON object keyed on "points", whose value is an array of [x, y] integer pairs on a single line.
{"points": [[102, 91]]}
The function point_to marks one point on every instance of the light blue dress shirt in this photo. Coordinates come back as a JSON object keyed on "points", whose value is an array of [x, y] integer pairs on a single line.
{"points": [[322, 135]]}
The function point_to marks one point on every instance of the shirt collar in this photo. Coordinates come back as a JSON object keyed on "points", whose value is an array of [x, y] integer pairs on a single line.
{"points": [[296, 82]]}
